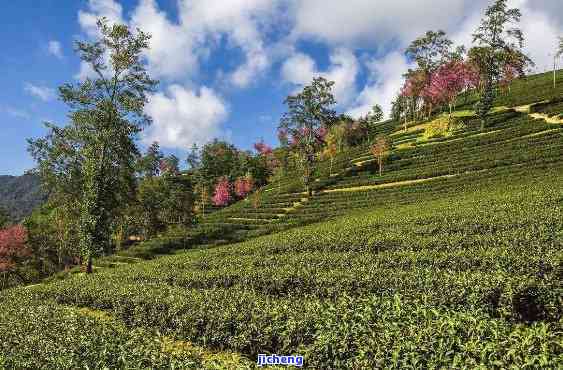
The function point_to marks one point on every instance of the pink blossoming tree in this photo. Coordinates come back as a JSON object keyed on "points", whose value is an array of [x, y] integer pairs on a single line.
{"points": [[222, 195]]}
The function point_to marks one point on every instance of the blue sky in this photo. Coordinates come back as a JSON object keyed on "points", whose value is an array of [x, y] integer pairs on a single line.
{"points": [[225, 66]]}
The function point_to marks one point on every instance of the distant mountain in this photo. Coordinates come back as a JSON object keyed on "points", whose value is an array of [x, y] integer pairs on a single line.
{"points": [[19, 195]]}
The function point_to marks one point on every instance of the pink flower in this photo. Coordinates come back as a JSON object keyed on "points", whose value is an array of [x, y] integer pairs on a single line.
{"points": [[243, 186], [263, 149], [12, 246], [222, 195]]}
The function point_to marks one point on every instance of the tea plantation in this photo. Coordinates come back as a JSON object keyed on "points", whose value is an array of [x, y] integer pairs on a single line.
{"points": [[451, 259]]}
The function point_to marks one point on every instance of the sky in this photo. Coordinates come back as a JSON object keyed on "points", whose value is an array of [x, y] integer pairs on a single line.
{"points": [[225, 66]]}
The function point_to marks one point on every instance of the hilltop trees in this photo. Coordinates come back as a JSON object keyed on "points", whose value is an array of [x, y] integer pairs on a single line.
{"points": [[308, 113], [448, 81], [430, 50], [369, 121], [500, 43], [93, 158]]}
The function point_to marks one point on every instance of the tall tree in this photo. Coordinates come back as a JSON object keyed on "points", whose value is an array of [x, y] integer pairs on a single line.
{"points": [[498, 37], [558, 55], [308, 113], [430, 50], [374, 116], [94, 156], [149, 164]]}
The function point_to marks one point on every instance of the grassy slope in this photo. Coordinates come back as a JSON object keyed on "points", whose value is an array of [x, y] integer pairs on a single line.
{"points": [[459, 271]]}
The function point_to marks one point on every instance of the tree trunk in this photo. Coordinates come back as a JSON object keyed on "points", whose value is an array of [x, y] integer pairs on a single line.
{"points": [[449, 118], [89, 265], [380, 167], [554, 67]]}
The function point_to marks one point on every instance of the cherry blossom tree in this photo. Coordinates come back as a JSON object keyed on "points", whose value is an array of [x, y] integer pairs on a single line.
{"points": [[243, 186], [446, 83], [13, 249], [222, 195], [263, 148]]}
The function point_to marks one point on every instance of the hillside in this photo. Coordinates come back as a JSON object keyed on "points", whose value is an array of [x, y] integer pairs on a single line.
{"points": [[19, 195], [452, 258]]}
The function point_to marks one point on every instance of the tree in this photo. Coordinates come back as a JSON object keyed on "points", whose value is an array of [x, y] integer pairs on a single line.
{"points": [[399, 109], [243, 186], [170, 165], [380, 151], [13, 250], [415, 82], [164, 201], [4, 218], [430, 50], [93, 158], [374, 116], [446, 83], [219, 159], [308, 112], [222, 195], [558, 55], [194, 157], [149, 164], [498, 38]]}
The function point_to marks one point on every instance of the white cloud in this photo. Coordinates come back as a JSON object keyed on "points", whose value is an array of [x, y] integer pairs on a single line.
{"points": [[384, 83], [174, 48], [177, 47], [183, 117], [266, 32], [376, 23], [96, 9], [300, 69], [243, 22], [541, 32], [42, 92], [16, 113], [54, 47], [540, 28]]}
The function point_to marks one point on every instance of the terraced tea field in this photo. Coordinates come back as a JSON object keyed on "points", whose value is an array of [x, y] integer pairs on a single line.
{"points": [[453, 258], [469, 278]]}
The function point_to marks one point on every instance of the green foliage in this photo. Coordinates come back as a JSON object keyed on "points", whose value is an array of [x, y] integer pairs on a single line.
{"points": [[430, 50], [91, 162], [472, 279], [499, 42], [308, 113], [4, 218], [19, 195], [69, 338]]}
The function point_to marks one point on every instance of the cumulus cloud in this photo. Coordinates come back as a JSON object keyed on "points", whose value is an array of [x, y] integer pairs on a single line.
{"points": [[178, 46], [54, 48], [300, 69], [383, 84], [243, 22], [377, 23], [182, 117], [109, 9], [173, 48], [540, 28], [258, 34], [41, 92]]}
